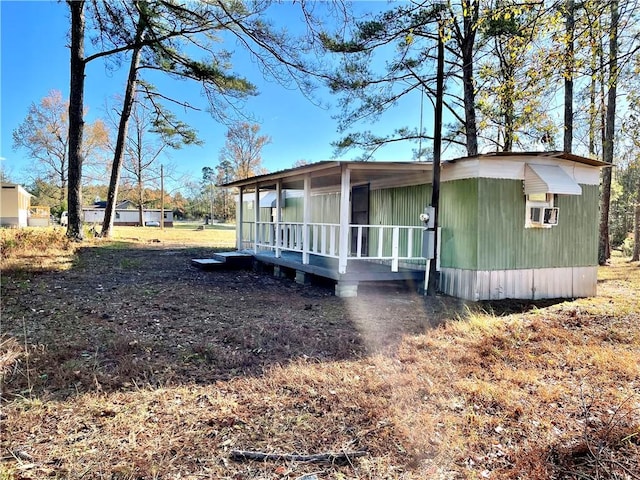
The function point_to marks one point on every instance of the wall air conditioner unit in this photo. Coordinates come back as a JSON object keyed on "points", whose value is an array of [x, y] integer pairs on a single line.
{"points": [[544, 216]]}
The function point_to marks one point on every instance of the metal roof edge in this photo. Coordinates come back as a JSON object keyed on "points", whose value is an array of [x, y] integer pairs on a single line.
{"points": [[552, 154], [322, 165]]}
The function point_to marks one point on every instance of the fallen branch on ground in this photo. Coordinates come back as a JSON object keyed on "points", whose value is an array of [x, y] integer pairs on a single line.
{"points": [[341, 457]]}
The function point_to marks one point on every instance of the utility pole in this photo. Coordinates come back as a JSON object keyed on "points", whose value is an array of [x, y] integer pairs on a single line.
{"points": [[434, 279]]}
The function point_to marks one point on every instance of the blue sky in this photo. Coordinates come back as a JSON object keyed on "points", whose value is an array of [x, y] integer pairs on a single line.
{"points": [[35, 60]]}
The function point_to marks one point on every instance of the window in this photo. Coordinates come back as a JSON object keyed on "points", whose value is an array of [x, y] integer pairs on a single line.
{"points": [[540, 211]]}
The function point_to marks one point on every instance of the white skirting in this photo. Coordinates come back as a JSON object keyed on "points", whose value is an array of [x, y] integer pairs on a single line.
{"points": [[533, 283]]}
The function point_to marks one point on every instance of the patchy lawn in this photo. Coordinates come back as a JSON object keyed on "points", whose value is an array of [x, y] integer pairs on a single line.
{"points": [[122, 361]]}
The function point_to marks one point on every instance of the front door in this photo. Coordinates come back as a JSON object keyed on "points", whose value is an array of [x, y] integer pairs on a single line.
{"points": [[360, 216]]}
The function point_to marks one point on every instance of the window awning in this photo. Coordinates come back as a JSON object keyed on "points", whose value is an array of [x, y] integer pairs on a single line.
{"points": [[549, 179]]}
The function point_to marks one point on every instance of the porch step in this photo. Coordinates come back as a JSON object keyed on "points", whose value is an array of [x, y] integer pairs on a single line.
{"points": [[207, 263], [230, 260]]}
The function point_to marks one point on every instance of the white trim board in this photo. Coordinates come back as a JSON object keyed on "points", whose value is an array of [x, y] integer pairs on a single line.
{"points": [[514, 169]]}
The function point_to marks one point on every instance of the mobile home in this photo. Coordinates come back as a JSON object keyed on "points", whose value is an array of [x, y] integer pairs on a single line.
{"points": [[14, 205], [510, 225]]}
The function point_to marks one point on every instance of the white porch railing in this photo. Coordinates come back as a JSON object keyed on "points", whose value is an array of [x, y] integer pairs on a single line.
{"points": [[389, 243]]}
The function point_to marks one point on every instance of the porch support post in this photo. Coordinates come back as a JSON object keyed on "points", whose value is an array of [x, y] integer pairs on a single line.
{"points": [[277, 233], [306, 219], [240, 219], [256, 219], [395, 249], [343, 246]]}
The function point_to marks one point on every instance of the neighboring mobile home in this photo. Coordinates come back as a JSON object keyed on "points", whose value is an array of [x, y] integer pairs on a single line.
{"points": [[127, 214], [511, 225], [14, 205]]}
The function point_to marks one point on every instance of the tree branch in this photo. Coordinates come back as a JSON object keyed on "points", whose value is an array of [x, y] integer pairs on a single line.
{"points": [[337, 458]]}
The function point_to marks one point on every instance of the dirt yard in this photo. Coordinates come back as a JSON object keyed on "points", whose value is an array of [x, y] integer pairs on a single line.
{"points": [[145, 316], [142, 366]]}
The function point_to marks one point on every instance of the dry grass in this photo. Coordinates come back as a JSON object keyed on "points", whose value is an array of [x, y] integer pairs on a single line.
{"points": [[36, 249], [550, 392], [217, 235]]}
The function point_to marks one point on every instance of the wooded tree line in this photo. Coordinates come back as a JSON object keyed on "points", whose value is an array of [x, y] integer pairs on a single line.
{"points": [[519, 76], [553, 75]]}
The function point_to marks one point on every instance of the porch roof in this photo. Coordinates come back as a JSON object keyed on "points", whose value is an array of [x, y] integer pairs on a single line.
{"points": [[328, 174]]}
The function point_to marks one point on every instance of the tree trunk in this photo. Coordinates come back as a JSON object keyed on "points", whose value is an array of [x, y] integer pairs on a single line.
{"points": [[605, 198], [76, 120], [568, 79], [118, 156], [604, 250], [140, 197], [593, 110], [636, 229], [509, 117], [467, 47]]}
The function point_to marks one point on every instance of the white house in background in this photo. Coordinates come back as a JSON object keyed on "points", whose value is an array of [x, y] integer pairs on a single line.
{"points": [[14, 205], [127, 215]]}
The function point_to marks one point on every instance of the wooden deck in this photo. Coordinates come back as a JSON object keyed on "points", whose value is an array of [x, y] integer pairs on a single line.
{"points": [[290, 264], [358, 270]]}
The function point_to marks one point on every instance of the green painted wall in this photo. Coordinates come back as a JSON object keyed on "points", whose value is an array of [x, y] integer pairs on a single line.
{"points": [[324, 209], [292, 211], [504, 243], [458, 219], [398, 206], [483, 221]]}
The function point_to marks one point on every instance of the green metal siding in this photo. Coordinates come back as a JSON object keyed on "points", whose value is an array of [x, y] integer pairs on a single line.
{"points": [[325, 208], [458, 220], [293, 209], [248, 213], [398, 206], [504, 243], [483, 221]]}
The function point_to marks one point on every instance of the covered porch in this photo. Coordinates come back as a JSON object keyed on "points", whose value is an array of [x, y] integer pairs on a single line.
{"points": [[318, 220]]}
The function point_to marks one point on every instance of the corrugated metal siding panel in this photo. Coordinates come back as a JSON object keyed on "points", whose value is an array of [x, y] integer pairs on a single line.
{"points": [[292, 211], [504, 243], [398, 206], [501, 215], [458, 283], [510, 284], [578, 224], [459, 221], [247, 211], [552, 283], [519, 283], [523, 284], [585, 281], [325, 208]]}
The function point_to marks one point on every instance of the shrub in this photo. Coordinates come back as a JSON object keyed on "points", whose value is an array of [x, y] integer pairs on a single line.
{"points": [[627, 246]]}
